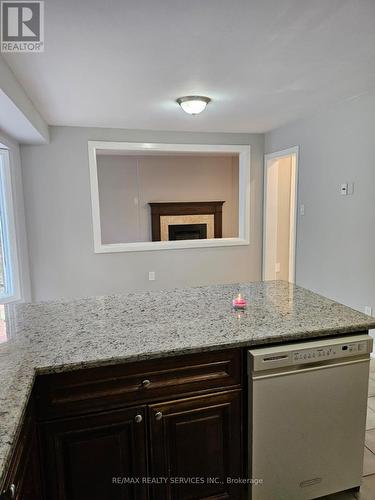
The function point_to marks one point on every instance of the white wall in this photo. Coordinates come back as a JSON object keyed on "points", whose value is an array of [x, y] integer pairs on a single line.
{"points": [[59, 227], [336, 237]]}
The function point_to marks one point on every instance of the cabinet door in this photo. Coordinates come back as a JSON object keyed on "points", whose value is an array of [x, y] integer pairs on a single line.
{"points": [[23, 478], [196, 443], [96, 457], [30, 487]]}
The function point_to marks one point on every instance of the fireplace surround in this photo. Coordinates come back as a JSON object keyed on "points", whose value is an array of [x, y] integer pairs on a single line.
{"points": [[197, 213]]}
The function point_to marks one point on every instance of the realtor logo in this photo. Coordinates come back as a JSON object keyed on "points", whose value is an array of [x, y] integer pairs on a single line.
{"points": [[22, 26]]}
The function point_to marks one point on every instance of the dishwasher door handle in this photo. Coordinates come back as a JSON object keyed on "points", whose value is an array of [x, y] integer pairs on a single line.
{"points": [[297, 370]]}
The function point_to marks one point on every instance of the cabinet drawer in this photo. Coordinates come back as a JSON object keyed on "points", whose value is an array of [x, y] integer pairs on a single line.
{"points": [[94, 389]]}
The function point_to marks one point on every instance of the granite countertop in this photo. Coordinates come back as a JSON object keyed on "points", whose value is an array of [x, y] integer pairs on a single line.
{"points": [[58, 336]]}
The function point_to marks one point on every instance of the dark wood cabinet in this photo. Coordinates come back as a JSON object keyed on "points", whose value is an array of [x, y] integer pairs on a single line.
{"points": [[23, 480], [196, 443], [96, 457], [100, 389], [194, 446], [167, 429]]}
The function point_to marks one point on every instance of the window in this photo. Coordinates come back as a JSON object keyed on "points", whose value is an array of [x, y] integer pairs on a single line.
{"points": [[9, 275], [141, 192]]}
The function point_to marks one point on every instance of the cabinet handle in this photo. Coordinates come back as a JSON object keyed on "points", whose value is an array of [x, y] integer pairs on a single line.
{"points": [[158, 415], [9, 493], [12, 491], [138, 419], [146, 383]]}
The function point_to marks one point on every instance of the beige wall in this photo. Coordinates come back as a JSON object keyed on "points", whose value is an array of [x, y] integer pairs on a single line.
{"points": [[127, 184], [270, 251], [283, 218], [279, 176]]}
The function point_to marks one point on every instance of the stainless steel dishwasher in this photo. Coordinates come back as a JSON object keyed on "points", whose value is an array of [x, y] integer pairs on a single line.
{"points": [[307, 417]]}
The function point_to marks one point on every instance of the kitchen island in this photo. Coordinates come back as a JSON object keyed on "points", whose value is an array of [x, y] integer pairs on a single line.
{"points": [[56, 350]]}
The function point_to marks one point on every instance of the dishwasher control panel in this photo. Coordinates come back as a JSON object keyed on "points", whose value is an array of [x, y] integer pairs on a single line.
{"points": [[316, 351], [329, 352]]}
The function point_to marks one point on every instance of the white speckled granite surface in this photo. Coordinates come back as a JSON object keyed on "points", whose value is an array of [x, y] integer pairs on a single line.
{"points": [[56, 336]]}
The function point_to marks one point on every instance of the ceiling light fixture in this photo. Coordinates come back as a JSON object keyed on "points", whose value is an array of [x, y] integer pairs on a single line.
{"points": [[193, 104]]}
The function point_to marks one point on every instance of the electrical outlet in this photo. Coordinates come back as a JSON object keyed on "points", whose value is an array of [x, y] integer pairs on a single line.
{"points": [[151, 276], [368, 310], [347, 189], [344, 189], [302, 209], [277, 267]]}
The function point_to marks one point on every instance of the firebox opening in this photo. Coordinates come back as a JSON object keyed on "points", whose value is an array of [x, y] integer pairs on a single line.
{"points": [[187, 231]]}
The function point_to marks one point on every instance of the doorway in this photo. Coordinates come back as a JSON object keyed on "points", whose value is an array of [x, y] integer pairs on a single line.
{"points": [[280, 214]]}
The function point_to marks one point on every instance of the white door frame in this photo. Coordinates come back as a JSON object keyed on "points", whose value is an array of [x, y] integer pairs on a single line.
{"points": [[294, 151]]}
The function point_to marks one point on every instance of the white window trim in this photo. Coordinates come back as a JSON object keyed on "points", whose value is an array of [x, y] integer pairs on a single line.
{"points": [[10, 240], [135, 147]]}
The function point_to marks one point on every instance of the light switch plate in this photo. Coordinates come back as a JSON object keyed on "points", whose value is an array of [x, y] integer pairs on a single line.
{"points": [[368, 310], [151, 276]]}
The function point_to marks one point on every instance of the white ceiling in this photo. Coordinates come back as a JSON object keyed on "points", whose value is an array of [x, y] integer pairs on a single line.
{"points": [[122, 63]]}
